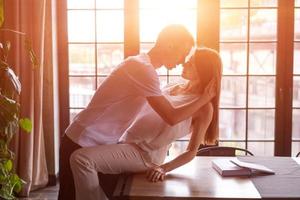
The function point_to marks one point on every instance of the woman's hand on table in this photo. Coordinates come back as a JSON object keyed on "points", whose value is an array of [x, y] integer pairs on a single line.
{"points": [[155, 174]]}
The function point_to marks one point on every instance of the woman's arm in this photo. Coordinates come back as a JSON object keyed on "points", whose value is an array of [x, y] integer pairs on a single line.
{"points": [[199, 129], [173, 115]]}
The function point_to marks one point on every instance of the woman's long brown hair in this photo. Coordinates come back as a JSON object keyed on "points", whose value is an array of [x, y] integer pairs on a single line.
{"points": [[209, 66]]}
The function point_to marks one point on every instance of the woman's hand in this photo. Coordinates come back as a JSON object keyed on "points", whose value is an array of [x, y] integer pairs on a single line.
{"points": [[210, 90], [155, 174]]}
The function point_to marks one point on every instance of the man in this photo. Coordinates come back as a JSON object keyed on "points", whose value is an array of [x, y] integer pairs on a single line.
{"points": [[117, 101]]}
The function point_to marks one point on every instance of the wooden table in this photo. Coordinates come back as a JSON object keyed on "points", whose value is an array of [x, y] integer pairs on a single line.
{"points": [[195, 180]]}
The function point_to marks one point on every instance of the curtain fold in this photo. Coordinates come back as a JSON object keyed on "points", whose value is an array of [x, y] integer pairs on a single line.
{"points": [[29, 17]]}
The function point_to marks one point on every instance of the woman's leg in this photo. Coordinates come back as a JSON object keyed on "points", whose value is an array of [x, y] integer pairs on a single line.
{"points": [[107, 159], [66, 183]]}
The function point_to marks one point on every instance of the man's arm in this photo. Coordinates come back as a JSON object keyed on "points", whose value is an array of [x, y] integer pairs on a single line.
{"points": [[200, 127], [173, 115]]}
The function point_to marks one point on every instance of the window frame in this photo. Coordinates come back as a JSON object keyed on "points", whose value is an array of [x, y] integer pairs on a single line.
{"points": [[207, 35]]}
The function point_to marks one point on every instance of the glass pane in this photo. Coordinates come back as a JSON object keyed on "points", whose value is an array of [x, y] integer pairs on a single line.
{"points": [[261, 148], [163, 81], [232, 124], [296, 92], [263, 24], [110, 26], [233, 92], [234, 58], [79, 4], [154, 20], [295, 148], [261, 124], [296, 124], [178, 147], [233, 25], [100, 80], [111, 4], [262, 59], [81, 91], [109, 56], [81, 59], [297, 24], [81, 26], [234, 144], [169, 4], [263, 3], [297, 3], [297, 57], [176, 71], [233, 3], [73, 113], [262, 92], [145, 47], [162, 71]]}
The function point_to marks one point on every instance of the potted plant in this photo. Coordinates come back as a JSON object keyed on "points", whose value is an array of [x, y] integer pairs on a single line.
{"points": [[10, 121]]}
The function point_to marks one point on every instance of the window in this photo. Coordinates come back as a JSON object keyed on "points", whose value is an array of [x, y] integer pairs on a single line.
{"points": [[155, 15], [95, 46], [248, 52], [98, 33], [296, 91]]}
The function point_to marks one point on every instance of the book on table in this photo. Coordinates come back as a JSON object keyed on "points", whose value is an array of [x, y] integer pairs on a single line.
{"points": [[235, 167]]}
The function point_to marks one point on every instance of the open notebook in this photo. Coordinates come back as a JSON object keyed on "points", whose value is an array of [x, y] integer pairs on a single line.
{"points": [[235, 167]]}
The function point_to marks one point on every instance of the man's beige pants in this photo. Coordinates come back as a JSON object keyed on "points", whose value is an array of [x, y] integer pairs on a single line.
{"points": [[107, 159]]}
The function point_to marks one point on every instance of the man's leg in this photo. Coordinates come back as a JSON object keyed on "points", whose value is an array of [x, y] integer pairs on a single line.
{"points": [[107, 159], [66, 182]]}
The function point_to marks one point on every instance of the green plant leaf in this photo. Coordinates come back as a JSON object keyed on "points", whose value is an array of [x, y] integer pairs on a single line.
{"points": [[2, 171], [8, 165], [26, 124], [18, 187], [2, 178], [1, 12], [16, 181], [5, 193]]}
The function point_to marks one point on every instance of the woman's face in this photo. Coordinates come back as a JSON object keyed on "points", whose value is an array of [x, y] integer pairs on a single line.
{"points": [[175, 55], [189, 71]]}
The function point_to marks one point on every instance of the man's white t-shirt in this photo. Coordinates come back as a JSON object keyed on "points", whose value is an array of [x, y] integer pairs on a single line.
{"points": [[116, 103]]}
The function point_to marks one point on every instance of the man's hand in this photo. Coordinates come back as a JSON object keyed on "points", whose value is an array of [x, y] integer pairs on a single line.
{"points": [[155, 174]]}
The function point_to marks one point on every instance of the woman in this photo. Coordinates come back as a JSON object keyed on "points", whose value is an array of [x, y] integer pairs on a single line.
{"points": [[145, 143]]}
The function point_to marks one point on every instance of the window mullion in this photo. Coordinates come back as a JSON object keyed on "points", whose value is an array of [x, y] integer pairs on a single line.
{"points": [[208, 23], [284, 78], [131, 28], [63, 63]]}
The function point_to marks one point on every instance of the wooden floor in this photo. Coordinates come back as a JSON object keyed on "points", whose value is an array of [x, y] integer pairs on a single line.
{"points": [[48, 193]]}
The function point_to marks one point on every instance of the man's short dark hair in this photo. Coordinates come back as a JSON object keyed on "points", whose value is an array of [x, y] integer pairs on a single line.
{"points": [[175, 34]]}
